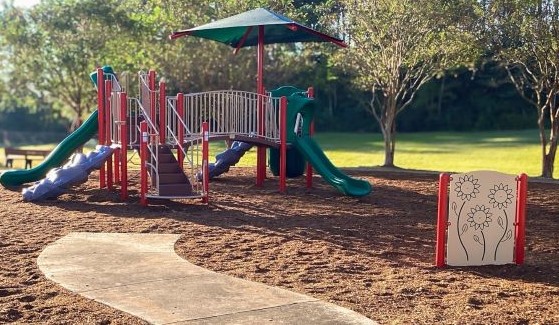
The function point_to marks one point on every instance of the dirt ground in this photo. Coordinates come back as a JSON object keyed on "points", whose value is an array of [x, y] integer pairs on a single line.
{"points": [[373, 255]]}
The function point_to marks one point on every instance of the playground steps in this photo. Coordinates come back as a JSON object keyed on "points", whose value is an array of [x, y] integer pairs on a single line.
{"points": [[172, 180]]}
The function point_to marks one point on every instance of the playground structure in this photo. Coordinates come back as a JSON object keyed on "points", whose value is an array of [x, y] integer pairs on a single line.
{"points": [[172, 135], [175, 132]]}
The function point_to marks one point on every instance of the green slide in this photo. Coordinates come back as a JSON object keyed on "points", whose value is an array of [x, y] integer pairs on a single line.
{"points": [[345, 184], [56, 158], [299, 106]]}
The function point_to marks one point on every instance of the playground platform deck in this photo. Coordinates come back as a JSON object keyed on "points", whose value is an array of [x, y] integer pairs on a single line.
{"points": [[141, 275]]}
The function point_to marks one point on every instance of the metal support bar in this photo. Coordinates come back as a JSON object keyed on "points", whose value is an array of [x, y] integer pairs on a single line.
{"points": [[442, 220]]}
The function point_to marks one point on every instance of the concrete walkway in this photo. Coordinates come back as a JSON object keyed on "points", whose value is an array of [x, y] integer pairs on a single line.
{"points": [[141, 275]]}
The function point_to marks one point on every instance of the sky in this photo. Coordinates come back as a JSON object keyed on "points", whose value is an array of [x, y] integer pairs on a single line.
{"points": [[25, 3]]}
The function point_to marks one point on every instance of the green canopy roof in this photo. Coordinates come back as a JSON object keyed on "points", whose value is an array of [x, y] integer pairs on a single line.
{"points": [[242, 30]]}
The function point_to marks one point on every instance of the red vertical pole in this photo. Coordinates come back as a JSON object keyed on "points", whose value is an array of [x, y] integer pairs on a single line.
{"points": [[260, 151], [118, 126], [442, 219], [143, 163], [260, 62], [116, 165], [205, 162], [152, 99], [283, 143], [162, 111], [123, 148], [310, 94], [101, 119], [117, 122], [108, 124], [522, 188], [180, 111]]}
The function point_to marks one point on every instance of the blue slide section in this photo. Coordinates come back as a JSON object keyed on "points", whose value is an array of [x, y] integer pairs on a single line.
{"points": [[74, 172], [226, 159]]}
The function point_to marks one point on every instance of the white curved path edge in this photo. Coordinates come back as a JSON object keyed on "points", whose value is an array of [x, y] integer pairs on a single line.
{"points": [[141, 274]]}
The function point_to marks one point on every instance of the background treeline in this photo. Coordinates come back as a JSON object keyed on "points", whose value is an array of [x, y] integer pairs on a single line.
{"points": [[452, 103], [47, 52], [464, 100]]}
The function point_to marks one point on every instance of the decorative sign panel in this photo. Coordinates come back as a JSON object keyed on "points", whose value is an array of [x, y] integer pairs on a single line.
{"points": [[481, 218]]}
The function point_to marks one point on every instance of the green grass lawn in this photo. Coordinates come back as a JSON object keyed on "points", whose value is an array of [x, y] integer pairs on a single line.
{"points": [[506, 151]]}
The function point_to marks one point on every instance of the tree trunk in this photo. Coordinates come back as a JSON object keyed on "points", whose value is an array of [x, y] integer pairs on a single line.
{"points": [[547, 165], [76, 123], [440, 99], [389, 148], [548, 158], [388, 128], [548, 152]]}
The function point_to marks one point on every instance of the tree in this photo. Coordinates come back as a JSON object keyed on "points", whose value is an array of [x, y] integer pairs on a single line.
{"points": [[54, 46], [532, 60], [396, 46]]}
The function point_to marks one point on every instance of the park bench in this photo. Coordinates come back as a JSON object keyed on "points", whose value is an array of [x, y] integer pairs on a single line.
{"points": [[24, 154]]}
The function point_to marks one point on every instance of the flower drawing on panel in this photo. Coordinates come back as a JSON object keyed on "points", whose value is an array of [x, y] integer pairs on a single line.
{"points": [[500, 196], [467, 187], [479, 217]]}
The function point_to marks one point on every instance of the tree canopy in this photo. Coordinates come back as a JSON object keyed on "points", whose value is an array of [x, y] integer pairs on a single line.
{"points": [[399, 45], [530, 53]]}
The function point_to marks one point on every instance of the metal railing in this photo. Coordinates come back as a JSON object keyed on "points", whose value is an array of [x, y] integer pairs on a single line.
{"points": [[187, 143], [151, 138], [177, 123], [232, 112]]}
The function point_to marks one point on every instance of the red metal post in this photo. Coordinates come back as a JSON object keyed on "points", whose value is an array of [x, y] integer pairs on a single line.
{"points": [[442, 220], [100, 105], [260, 62], [260, 151], [124, 147], [310, 94], [205, 162], [283, 143], [180, 111], [522, 188], [116, 163], [101, 119], [152, 99], [143, 163], [118, 126], [108, 124], [162, 111]]}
